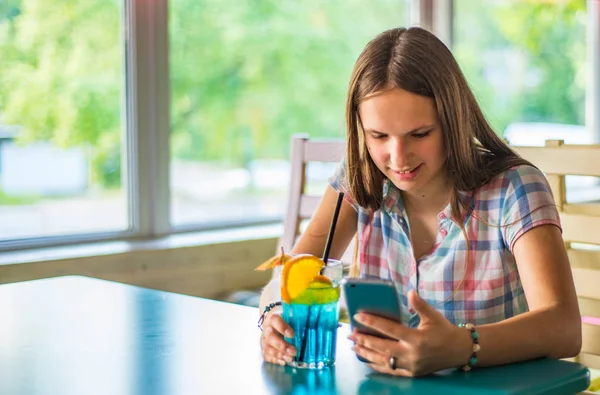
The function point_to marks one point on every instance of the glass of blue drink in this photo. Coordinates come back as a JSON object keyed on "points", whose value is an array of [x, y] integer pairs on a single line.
{"points": [[314, 317]]}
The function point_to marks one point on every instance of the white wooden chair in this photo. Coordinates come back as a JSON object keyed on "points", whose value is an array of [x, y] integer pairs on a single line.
{"points": [[301, 204], [581, 231]]}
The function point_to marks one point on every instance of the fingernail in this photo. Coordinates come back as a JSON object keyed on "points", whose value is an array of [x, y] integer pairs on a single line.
{"points": [[290, 351], [411, 310], [288, 333], [287, 358], [281, 362], [359, 317]]}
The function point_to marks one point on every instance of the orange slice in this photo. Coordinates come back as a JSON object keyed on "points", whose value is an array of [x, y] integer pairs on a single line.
{"points": [[297, 274], [277, 260], [320, 281]]}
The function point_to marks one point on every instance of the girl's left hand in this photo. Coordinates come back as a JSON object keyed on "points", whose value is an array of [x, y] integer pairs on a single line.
{"points": [[434, 345]]}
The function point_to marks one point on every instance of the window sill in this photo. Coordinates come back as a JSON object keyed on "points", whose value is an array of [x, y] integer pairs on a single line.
{"points": [[181, 240]]}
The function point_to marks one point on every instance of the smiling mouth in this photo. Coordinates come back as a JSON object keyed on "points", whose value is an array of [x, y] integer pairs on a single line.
{"points": [[406, 171]]}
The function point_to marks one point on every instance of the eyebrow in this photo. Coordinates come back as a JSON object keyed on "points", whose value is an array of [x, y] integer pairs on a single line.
{"points": [[419, 129]]}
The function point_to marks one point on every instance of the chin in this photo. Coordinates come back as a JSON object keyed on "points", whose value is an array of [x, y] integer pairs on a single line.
{"points": [[406, 186]]}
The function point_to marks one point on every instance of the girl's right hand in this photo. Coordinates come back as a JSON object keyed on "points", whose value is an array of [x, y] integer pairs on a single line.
{"points": [[274, 347]]}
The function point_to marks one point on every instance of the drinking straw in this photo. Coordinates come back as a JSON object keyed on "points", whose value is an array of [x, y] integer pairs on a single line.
{"points": [[336, 213]]}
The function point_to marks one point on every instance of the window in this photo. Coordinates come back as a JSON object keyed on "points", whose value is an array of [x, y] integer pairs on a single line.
{"points": [[245, 76], [61, 78], [526, 62]]}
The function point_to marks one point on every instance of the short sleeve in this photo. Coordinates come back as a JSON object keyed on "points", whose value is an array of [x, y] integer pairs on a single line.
{"points": [[339, 182], [526, 202]]}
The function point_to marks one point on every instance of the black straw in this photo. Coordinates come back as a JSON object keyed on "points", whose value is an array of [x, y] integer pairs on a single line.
{"points": [[336, 213]]}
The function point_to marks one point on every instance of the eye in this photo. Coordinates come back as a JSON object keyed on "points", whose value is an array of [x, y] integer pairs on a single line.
{"points": [[422, 135], [377, 136]]}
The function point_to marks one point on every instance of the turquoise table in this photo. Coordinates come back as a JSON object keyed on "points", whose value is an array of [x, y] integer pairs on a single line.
{"points": [[76, 335]]}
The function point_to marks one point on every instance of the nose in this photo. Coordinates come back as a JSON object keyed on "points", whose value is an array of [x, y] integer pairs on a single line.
{"points": [[398, 150]]}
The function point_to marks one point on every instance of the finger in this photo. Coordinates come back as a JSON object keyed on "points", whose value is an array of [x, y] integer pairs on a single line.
{"points": [[275, 340], [384, 326], [379, 359], [280, 356], [387, 370], [272, 355], [370, 355], [427, 313], [277, 322], [284, 357], [263, 340], [384, 346], [269, 354]]}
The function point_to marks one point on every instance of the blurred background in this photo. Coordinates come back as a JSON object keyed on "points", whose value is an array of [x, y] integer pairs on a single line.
{"points": [[241, 77]]}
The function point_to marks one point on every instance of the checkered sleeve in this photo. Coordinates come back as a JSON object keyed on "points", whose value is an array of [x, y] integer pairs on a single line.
{"points": [[526, 202], [339, 182]]}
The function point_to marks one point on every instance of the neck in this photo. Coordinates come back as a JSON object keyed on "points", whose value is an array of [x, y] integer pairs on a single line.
{"points": [[433, 197]]}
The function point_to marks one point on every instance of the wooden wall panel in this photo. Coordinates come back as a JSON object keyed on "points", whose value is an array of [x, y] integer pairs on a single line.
{"points": [[206, 270]]}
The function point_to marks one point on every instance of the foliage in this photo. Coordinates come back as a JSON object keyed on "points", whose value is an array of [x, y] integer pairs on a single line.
{"points": [[61, 74], [542, 44], [9, 200], [247, 74]]}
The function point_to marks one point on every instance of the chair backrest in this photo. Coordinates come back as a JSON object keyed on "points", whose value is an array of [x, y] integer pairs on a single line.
{"points": [[581, 229], [302, 205]]}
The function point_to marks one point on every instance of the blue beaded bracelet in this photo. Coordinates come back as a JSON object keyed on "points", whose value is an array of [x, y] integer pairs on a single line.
{"points": [[475, 337], [268, 308]]}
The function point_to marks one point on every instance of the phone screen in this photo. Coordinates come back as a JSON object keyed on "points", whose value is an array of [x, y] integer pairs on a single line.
{"points": [[377, 297]]}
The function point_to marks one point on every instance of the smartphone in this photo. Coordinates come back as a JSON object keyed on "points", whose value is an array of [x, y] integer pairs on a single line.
{"points": [[377, 297]]}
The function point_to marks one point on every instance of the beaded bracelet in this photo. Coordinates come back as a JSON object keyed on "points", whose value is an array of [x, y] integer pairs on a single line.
{"points": [[473, 360], [268, 308]]}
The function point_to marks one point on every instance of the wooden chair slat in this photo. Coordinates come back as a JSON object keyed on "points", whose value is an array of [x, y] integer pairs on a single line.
{"points": [[582, 209], [324, 150], [297, 177], [591, 339], [559, 191], [308, 205], [587, 282], [591, 360], [579, 160], [580, 228], [584, 259], [589, 307]]}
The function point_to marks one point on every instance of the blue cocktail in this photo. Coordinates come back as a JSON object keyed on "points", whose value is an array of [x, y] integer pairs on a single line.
{"points": [[314, 317]]}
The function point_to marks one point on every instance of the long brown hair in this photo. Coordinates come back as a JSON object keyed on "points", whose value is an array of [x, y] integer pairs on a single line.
{"points": [[415, 60]]}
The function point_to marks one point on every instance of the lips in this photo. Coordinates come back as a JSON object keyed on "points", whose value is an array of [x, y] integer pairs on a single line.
{"points": [[406, 171], [405, 176]]}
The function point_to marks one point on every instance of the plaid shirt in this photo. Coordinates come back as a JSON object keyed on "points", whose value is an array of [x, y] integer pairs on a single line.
{"points": [[491, 290]]}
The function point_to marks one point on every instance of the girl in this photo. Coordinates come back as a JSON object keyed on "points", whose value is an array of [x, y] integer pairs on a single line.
{"points": [[467, 230]]}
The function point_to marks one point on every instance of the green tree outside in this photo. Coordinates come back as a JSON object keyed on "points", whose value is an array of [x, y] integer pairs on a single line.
{"points": [[550, 36], [246, 75]]}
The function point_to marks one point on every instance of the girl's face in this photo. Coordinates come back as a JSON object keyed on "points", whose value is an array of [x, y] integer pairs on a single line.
{"points": [[404, 139]]}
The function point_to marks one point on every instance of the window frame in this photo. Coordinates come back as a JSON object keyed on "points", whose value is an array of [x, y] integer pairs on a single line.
{"points": [[146, 126]]}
